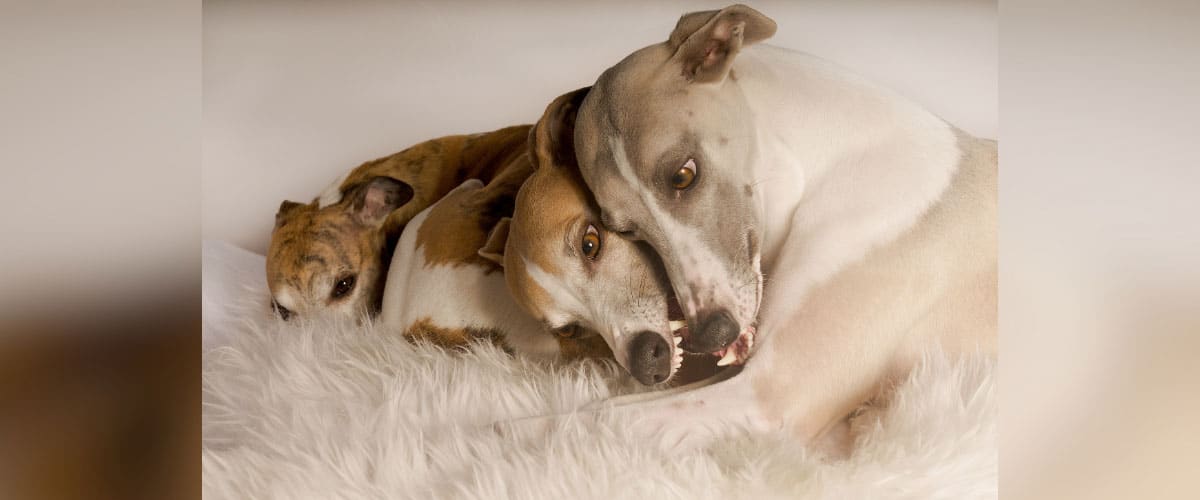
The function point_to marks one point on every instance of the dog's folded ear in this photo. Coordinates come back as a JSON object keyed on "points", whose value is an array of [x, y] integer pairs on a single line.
{"points": [[372, 201], [284, 212], [705, 43], [552, 139], [493, 249]]}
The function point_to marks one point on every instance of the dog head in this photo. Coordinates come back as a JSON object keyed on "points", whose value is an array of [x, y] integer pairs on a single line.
{"points": [[665, 141], [333, 260], [575, 276]]}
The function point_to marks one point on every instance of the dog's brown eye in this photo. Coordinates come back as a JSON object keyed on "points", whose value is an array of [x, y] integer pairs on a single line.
{"points": [[567, 331], [684, 177], [343, 287], [284, 313], [591, 242]]}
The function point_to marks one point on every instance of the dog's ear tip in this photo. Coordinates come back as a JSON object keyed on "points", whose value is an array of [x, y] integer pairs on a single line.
{"points": [[285, 209], [493, 248], [695, 31], [287, 205]]}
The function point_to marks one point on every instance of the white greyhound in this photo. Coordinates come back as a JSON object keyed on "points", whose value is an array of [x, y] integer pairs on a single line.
{"points": [[816, 228]]}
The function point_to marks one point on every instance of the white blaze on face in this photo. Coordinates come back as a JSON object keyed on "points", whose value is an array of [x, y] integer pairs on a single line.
{"points": [[702, 269], [566, 302]]}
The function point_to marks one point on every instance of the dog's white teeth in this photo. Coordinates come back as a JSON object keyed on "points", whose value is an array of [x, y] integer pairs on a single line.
{"points": [[676, 325], [730, 357], [678, 340]]}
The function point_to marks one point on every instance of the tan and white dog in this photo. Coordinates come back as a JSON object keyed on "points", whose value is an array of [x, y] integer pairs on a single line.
{"points": [[575, 276], [819, 229], [330, 255], [445, 282]]}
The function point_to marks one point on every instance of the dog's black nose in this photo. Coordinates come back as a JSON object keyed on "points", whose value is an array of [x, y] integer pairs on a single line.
{"points": [[649, 358], [716, 331]]}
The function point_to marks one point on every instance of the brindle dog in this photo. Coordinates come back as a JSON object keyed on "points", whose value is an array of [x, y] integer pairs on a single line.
{"points": [[331, 255]]}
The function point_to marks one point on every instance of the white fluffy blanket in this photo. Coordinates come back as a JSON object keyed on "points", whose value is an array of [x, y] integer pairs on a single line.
{"points": [[295, 410]]}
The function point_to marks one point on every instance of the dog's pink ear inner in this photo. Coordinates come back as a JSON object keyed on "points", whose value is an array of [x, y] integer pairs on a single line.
{"points": [[706, 42], [378, 197], [493, 249]]}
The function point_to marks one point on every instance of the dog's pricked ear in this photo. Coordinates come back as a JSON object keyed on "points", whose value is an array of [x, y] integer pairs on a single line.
{"points": [[552, 139], [285, 209], [493, 249], [706, 42], [375, 199]]}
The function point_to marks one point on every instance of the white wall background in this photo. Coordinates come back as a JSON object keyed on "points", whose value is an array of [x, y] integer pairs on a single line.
{"points": [[295, 93]]}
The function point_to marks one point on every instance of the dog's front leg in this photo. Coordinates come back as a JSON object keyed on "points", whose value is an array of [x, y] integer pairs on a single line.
{"points": [[825, 348]]}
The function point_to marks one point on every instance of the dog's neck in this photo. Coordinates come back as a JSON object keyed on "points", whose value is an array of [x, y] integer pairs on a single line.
{"points": [[843, 165]]}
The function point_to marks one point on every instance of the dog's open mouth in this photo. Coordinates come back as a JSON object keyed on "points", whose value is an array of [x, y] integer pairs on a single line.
{"points": [[679, 331], [738, 351], [735, 353]]}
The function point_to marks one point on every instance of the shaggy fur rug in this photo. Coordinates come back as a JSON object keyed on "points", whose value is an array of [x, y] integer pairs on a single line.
{"points": [[330, 410]]}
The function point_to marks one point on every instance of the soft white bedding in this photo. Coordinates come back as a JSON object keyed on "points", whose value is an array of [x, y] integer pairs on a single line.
{"points": [[337, 410]]}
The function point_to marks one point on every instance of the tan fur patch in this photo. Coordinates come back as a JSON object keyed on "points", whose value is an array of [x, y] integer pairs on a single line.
{"points": [[454, 232], [591, 347], [426, 330]]}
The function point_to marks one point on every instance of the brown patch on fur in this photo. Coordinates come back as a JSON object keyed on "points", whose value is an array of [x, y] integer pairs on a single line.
{"points": [[425, 329], [453, 233], [590, 347]]}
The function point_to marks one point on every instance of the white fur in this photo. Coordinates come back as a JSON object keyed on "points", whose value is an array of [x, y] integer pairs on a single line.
{"points": [[848, 165], [334, 410], [564, 296]]}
